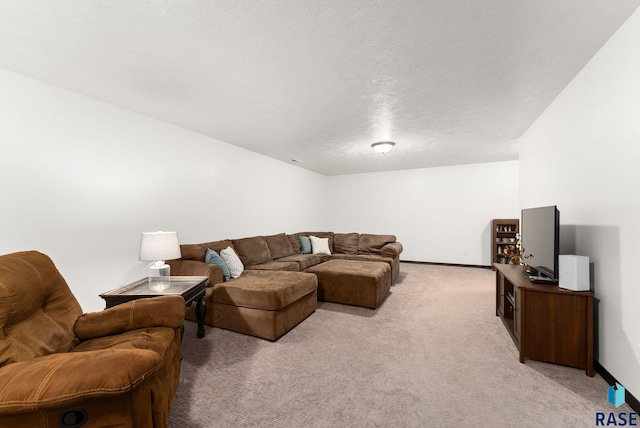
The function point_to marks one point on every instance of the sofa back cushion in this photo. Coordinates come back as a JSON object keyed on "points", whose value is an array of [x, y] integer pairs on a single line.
{"points": [[372, 244], [38, 312], [345, 243], [279, 246], [252, 251], [198, 251], [294, 240]]}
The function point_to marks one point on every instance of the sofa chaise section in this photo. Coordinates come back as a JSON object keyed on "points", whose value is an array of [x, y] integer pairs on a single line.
{"points": [[353, 282], [265, 304]]}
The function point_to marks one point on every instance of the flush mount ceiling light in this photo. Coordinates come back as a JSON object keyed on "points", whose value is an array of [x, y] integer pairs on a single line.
{"points": [[383, 146]]}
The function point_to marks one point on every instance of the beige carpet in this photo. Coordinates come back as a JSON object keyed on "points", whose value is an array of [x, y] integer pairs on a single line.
{"points": [[433, 355]]}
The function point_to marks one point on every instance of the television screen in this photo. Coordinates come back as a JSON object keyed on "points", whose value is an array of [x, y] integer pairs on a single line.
{"points": [[540, 240]]}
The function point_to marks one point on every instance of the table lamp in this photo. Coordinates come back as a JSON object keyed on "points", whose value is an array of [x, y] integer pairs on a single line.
{"points": [[157, 247]]}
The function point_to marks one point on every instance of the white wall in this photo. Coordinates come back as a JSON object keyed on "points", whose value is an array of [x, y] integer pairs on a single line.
{"points": [[583, 155], [82, 179], [439, 215]]}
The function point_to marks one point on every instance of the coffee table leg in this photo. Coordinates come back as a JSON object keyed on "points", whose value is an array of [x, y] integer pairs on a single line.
{"points": [[201, 311]]}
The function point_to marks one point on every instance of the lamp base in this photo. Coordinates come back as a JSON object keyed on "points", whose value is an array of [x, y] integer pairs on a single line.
{"points": [[159, 276], [159, 283], [159, 269]]}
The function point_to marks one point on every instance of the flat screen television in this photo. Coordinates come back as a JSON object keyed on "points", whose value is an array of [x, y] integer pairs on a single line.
{"points": [[540, 241]]}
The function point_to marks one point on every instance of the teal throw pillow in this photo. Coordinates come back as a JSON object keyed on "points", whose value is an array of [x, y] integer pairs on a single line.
{"points": [[305, 244], [214, 258]]}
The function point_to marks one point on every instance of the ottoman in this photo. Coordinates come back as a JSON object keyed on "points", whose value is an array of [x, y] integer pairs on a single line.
{"points": [[352, 282], [265, 304]]}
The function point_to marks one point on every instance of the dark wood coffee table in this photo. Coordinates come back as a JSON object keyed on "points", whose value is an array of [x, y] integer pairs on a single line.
{"points": [[191, 288]]}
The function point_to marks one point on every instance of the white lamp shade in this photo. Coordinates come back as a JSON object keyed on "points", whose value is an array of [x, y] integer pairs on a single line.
{"points": [[383, 146], [159, 246]]}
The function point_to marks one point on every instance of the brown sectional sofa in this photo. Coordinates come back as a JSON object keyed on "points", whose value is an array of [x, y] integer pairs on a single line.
{"points": [[280, 286]]}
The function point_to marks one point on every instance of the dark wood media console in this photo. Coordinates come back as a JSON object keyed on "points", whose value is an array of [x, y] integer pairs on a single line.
{"points": [[546, 322]]}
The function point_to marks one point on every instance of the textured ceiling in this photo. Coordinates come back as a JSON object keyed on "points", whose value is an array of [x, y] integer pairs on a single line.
{"points": [[451, 82]]}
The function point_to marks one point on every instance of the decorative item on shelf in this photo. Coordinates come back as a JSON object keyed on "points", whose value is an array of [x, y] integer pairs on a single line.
{"points": [[157, 247], [509, 253], [516, 254]]}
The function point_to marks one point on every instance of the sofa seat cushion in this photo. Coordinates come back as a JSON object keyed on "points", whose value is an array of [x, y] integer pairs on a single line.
{"points": [[61, 379], [264, 289], [305, 260], [277, 265]]}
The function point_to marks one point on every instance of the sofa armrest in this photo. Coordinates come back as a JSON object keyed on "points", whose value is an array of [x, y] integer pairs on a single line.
{"points": [[392, 250], [56, 380], [182, 267], [161, 311]]}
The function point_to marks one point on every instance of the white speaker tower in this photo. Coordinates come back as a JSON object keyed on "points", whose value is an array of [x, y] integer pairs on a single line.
{"points": [[573, 272]]}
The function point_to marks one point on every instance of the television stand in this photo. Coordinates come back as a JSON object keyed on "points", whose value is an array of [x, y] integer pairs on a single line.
{"points": [[546, 322]]}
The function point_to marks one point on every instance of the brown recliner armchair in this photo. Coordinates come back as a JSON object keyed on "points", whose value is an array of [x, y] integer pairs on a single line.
{"points": [[60, 368]]}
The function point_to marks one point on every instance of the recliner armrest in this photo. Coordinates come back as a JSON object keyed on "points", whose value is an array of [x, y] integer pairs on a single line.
{"points": [[161, 311], [392, 250], [61, 379]]}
